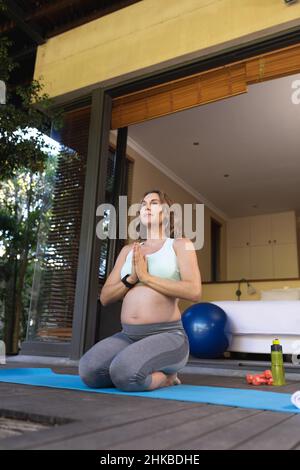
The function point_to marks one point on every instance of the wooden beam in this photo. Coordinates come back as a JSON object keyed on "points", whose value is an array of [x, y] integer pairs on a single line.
{"points": [[59, 6], [14, 12], [42, 11], [98, 13]]}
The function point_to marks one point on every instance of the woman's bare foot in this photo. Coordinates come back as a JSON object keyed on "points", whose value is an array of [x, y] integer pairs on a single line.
{"points": [[160, 379], [172, 380]]}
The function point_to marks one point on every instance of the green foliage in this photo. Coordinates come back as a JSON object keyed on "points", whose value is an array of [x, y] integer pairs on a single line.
{"points": [[27, 172], [26, 108], [25, 204], [6, 63]]}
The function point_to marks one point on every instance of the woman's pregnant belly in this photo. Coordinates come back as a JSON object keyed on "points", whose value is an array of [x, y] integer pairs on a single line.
{"points": [[142, 304]]}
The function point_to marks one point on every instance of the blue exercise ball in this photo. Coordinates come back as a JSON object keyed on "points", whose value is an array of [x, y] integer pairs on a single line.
{"points": [[208, 330]]}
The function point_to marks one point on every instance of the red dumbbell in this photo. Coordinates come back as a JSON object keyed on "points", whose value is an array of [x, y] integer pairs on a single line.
{"points": [[268, 374], [249, 378], [259, 380]]}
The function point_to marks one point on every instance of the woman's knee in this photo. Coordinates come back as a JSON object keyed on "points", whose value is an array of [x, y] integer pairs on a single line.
{"points": [[127, 378], [85, 370], [94, 377]]}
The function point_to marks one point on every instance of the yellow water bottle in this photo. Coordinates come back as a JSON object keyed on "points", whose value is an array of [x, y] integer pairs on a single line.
{"points": [[277, 363]]}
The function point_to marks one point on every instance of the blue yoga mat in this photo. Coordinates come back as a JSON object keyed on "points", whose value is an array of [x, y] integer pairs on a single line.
{"points": [[256, 399]]}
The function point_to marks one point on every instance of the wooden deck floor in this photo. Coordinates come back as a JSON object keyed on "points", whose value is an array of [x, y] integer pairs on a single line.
{"points": [[114, 422]]}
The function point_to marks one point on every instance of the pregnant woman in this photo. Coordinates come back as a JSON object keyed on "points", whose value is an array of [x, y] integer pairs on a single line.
{"points": [[150, 276]]}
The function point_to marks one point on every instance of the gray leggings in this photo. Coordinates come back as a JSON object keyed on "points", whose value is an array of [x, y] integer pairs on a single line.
{"points": [[127, 359]]}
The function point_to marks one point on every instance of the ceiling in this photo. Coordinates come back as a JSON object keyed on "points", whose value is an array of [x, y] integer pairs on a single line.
{"points": [[254, 138], [29, 23]]}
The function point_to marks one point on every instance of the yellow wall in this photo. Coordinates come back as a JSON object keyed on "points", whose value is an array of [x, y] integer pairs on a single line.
{"points": [[298, 237], [226, 290], [153, 32]]}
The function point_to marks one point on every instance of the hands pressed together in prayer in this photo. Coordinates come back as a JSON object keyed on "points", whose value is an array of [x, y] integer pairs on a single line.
{"points": [[139, 270]]}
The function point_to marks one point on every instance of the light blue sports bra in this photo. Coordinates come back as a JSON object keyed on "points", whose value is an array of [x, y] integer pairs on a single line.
{"points": [[161, 263]]}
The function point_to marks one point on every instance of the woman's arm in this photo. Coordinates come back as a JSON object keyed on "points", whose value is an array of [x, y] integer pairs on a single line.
{"points": [[189, 287], [114, 289]]}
